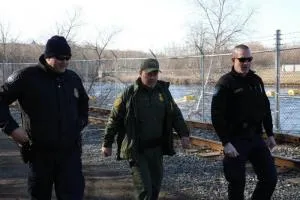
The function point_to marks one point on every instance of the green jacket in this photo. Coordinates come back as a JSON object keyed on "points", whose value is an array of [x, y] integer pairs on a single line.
{"points": [[123, 120]]}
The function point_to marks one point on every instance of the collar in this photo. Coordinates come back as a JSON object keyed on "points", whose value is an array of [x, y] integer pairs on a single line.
{"points": [[160, 84], [47, 68], [142, 86], [234, 73]]}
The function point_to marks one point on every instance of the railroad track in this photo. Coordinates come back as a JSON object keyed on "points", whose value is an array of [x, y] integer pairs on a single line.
{"points": [[280, 161], [99, 116]]}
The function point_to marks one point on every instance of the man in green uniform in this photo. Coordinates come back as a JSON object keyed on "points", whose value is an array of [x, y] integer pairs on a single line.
{"points": [[145, 115]]}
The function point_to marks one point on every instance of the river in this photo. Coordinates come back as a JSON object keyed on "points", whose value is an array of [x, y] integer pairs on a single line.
{"points": [[289, 105]]}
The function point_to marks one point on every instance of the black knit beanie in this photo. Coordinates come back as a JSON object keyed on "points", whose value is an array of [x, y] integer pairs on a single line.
{"points": [[57, 46]]}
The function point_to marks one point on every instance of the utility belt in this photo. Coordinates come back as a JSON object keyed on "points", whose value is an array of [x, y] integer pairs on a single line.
{"points": [[148, 144], [246, 129], [28, 150]]}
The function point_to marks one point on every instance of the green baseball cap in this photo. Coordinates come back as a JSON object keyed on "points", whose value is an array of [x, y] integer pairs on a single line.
{"points": [[150, 65]]}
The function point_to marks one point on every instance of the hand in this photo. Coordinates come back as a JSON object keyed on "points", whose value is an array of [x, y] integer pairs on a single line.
{"points": [[20, 136], [230, 150], [185, 142], [106, 151], [271, 143]]}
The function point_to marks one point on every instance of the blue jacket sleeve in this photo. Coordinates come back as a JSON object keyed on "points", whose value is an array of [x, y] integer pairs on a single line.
{"points": [[9, 92], [218, 110], [267, 120]]}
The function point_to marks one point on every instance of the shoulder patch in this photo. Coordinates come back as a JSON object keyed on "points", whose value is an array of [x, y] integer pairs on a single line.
{"points": [[117, 102], [13, 77]]}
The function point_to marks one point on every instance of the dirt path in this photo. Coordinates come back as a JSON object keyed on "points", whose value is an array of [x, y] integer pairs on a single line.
{"points": [[102, 181]]}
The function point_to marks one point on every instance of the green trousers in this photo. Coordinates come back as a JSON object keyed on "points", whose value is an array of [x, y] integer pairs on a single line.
{"points": [[147, 174]]}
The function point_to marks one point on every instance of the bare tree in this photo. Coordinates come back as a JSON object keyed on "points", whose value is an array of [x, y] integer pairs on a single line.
{"points": [[68, 27], [4, 37], [221, 23], [7, 42], [99, 46]]}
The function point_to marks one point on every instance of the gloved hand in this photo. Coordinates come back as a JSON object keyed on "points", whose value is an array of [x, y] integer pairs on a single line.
{"points": [[185, 142], [19, 135], [271, 142], [230, 150]]}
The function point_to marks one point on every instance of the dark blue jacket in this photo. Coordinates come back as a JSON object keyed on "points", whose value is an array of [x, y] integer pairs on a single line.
{"points": [[240, 107], [54, 106]]}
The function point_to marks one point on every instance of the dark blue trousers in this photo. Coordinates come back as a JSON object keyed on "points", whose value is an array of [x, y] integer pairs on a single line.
{"points": [[61, 169], [256, 151]]}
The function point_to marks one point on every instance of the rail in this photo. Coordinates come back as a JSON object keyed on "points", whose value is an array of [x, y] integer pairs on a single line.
{"points": [[282, 162]]}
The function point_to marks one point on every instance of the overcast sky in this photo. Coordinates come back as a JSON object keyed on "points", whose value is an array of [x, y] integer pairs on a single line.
{"points": [[144, 24]]}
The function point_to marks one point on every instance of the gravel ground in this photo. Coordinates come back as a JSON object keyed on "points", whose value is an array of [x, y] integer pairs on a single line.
{"points": [[187, 175], [192, 176]]}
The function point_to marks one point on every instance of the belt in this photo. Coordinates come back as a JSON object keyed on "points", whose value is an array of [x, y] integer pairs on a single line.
{"points": [[147, 144]]}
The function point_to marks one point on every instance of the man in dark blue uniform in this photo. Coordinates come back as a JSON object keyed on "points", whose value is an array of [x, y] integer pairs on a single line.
{"points": [[239, 109], [54, 108]]}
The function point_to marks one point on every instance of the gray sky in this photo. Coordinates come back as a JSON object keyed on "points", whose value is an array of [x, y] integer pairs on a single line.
{"points": [[144, 24]]}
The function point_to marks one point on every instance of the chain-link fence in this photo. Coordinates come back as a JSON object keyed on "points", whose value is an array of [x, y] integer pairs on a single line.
{"points": [[193, 79]]}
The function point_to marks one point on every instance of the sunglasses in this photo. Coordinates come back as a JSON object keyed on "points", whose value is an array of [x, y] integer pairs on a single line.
{"points": [[244, 59], [63, 57]]}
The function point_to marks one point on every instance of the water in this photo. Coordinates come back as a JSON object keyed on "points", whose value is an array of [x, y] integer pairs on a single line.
{"points": [[289, 106]]}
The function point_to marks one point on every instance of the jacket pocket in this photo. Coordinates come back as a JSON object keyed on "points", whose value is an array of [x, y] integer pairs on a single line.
{"points": [[126, 148]]}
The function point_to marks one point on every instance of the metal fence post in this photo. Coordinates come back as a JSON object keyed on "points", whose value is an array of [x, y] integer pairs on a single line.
{"points": [[201, 96], [3, 77], [203, 88], [277, 69]]}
